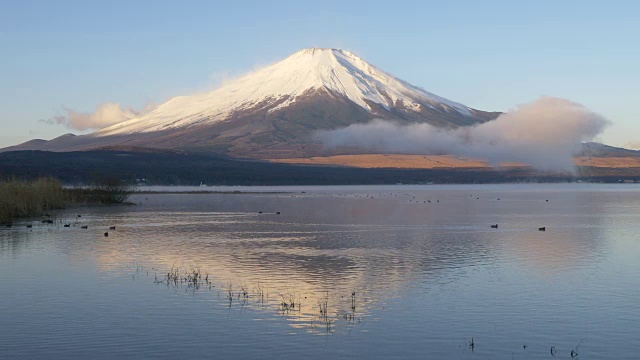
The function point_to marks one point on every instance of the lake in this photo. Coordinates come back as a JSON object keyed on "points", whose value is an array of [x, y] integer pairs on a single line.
{"points": [[372, 272]]}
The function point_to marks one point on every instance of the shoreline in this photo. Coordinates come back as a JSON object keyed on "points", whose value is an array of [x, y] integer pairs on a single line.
{"points": [[212, 192]]}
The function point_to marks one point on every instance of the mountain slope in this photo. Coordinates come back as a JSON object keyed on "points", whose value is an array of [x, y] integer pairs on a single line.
{"points": [[602, 150], [276, 110]]}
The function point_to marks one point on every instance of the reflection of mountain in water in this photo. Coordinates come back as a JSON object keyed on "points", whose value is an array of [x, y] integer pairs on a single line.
{"points": [[240, 251]]}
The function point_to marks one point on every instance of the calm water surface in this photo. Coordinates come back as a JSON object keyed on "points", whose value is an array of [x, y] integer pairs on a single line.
{"points": [[385, 272]]}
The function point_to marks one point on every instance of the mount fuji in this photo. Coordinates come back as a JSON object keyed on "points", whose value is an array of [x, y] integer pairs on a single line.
{"points": [[275, 111]]}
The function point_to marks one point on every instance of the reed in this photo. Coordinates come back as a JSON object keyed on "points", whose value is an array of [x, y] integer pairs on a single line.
{"points": [[22, 199], [107, 191], [31, 198]]}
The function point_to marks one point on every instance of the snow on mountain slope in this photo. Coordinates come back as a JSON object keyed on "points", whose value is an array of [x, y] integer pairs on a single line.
{"points": [[281, 84]]}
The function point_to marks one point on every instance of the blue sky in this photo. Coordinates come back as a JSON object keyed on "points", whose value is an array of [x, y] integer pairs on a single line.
{"points": [[491, 55]]}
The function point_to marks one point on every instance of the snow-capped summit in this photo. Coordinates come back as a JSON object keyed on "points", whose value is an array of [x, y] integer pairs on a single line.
{"points": [[274, 111], [279, 85]]}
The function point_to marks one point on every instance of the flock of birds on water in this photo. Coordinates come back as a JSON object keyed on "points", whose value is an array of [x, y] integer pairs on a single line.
{"points": [[412, 199], [47, 220]]}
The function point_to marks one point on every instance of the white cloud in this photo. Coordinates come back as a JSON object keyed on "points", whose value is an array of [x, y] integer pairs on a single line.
{"points": [[544, 134], [106, 114]]}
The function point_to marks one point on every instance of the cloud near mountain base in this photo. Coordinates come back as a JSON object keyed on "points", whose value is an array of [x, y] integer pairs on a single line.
{"points": [[106, 114], [544, 134]]}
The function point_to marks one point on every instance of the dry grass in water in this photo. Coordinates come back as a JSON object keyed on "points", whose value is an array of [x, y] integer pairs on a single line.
{"points": [[22, 199], [31, 198]]}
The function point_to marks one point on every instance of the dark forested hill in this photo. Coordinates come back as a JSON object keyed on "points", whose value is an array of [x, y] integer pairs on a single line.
{"points": [[191, 169]]}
